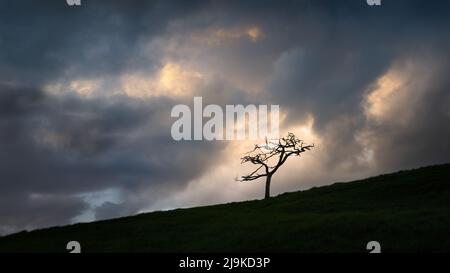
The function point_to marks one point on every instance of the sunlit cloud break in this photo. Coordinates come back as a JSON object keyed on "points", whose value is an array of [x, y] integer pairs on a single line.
{"points": [[241, 122]]}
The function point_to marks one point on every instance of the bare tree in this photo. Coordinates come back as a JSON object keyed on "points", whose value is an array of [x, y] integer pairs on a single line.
{"points": [[271, 156]]}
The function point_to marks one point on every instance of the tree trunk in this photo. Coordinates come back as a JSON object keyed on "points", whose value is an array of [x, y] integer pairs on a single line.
{"points": [[267, 195]]}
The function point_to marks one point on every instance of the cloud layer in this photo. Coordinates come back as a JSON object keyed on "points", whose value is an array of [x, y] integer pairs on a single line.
{"points": [[86, 94]]}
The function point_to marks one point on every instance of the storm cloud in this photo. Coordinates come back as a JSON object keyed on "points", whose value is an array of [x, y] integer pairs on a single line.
{"points": [[86, 94]]}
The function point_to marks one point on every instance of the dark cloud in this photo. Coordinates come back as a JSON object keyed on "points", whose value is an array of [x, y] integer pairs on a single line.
{"points": [[24, 211], [417, 134], [318, 58], [47, 39], [66, 146], [339, 56]]}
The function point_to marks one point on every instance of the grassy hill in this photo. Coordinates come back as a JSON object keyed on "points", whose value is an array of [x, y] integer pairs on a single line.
{"points": [[408, 211]]}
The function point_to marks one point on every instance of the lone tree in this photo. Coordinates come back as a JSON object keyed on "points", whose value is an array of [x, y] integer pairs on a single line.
{"points": [[270, 156]]}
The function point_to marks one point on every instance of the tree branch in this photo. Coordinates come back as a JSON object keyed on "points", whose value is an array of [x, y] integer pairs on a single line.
{"points": [[261, 154]]}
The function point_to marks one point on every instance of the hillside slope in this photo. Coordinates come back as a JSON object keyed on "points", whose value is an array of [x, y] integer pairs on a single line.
{"points": [[405, 211]]}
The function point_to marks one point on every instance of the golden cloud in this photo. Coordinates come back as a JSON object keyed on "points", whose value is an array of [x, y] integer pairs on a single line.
{"points": [[218, 36], [172, 80], [395, 95]]}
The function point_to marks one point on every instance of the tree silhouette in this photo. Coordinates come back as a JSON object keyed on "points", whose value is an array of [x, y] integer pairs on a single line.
{"points": [[278, 151]]}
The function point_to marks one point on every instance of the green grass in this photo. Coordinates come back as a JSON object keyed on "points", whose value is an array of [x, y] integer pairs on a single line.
{"points": [[408, 211]]}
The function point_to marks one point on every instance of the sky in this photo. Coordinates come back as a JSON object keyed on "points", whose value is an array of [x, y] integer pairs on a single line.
{"points": [[86, 94]]}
